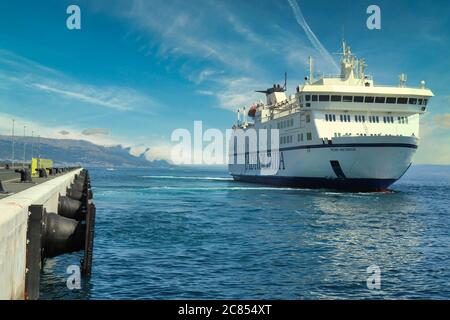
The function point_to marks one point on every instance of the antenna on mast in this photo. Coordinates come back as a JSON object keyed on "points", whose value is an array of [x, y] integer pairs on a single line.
{"points": [[363, 66], [245, 118], [285, 81], [311, 70], [402, 79]]}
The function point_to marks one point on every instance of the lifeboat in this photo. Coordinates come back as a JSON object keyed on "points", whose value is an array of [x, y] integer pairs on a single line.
{"points": [[252, 111]]}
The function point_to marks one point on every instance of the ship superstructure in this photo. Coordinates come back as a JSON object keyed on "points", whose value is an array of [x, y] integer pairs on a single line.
{"points": [[340, 131]]}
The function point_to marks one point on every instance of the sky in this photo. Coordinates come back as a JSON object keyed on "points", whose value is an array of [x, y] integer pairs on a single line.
{"points": [[139, 69]]}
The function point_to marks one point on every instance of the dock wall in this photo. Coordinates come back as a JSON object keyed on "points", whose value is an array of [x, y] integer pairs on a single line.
{"points": [[13, 230]]}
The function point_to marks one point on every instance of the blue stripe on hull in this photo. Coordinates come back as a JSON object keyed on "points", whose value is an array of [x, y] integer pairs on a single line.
{"points": [[353, 145], [344, 145], [364, 185]]}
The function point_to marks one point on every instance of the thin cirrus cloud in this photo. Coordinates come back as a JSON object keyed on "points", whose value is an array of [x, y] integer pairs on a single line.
{"points": [[35, 83], [95, 96], [442, 120], [205, 92], [12, 62], [19, 72], [95, 131], [230, 50]]}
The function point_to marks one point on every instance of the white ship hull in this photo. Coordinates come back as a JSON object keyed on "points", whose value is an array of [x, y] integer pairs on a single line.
{"points": [[353, 163], [340, 132]]}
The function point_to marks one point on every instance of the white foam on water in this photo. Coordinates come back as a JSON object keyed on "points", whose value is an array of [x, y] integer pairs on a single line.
{"points": [[223, 188], [190, 178]]}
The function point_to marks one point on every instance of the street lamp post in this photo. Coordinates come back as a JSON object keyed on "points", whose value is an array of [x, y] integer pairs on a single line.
{"points": [[12, 137], [24, 147], [39, 147], [32, 144]]}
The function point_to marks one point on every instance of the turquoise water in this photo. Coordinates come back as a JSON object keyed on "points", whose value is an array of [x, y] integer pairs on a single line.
{"points": [[196, 234]]}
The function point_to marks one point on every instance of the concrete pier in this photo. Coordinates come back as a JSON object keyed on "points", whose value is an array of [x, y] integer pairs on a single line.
{"points": [[14, 214]]}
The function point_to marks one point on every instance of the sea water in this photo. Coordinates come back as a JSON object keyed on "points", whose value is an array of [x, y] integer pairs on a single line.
{"points": [[196, 234]]}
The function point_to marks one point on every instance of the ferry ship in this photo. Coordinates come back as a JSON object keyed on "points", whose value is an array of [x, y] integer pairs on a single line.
{"points": [[339, 131]]}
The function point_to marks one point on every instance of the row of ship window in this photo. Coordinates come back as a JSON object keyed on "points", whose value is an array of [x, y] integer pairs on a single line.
{"points": [[290, 122], [371, 119], [345, 118], [366, 99], [300, 137], [285, 123], [338, 134]]}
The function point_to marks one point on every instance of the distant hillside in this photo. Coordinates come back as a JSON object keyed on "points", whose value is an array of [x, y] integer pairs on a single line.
{"points": [[65, 152]]}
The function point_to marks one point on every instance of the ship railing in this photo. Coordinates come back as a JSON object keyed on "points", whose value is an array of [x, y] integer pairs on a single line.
{"points": [[331, 75], [339, 76], [394, 86]]}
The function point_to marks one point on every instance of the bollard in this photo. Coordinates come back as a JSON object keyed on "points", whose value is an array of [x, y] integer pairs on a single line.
{"points": [[42, 173], [25, 175]]}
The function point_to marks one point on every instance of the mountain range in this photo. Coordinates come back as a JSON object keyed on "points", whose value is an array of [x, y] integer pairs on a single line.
{"points": [[70, 152]]}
